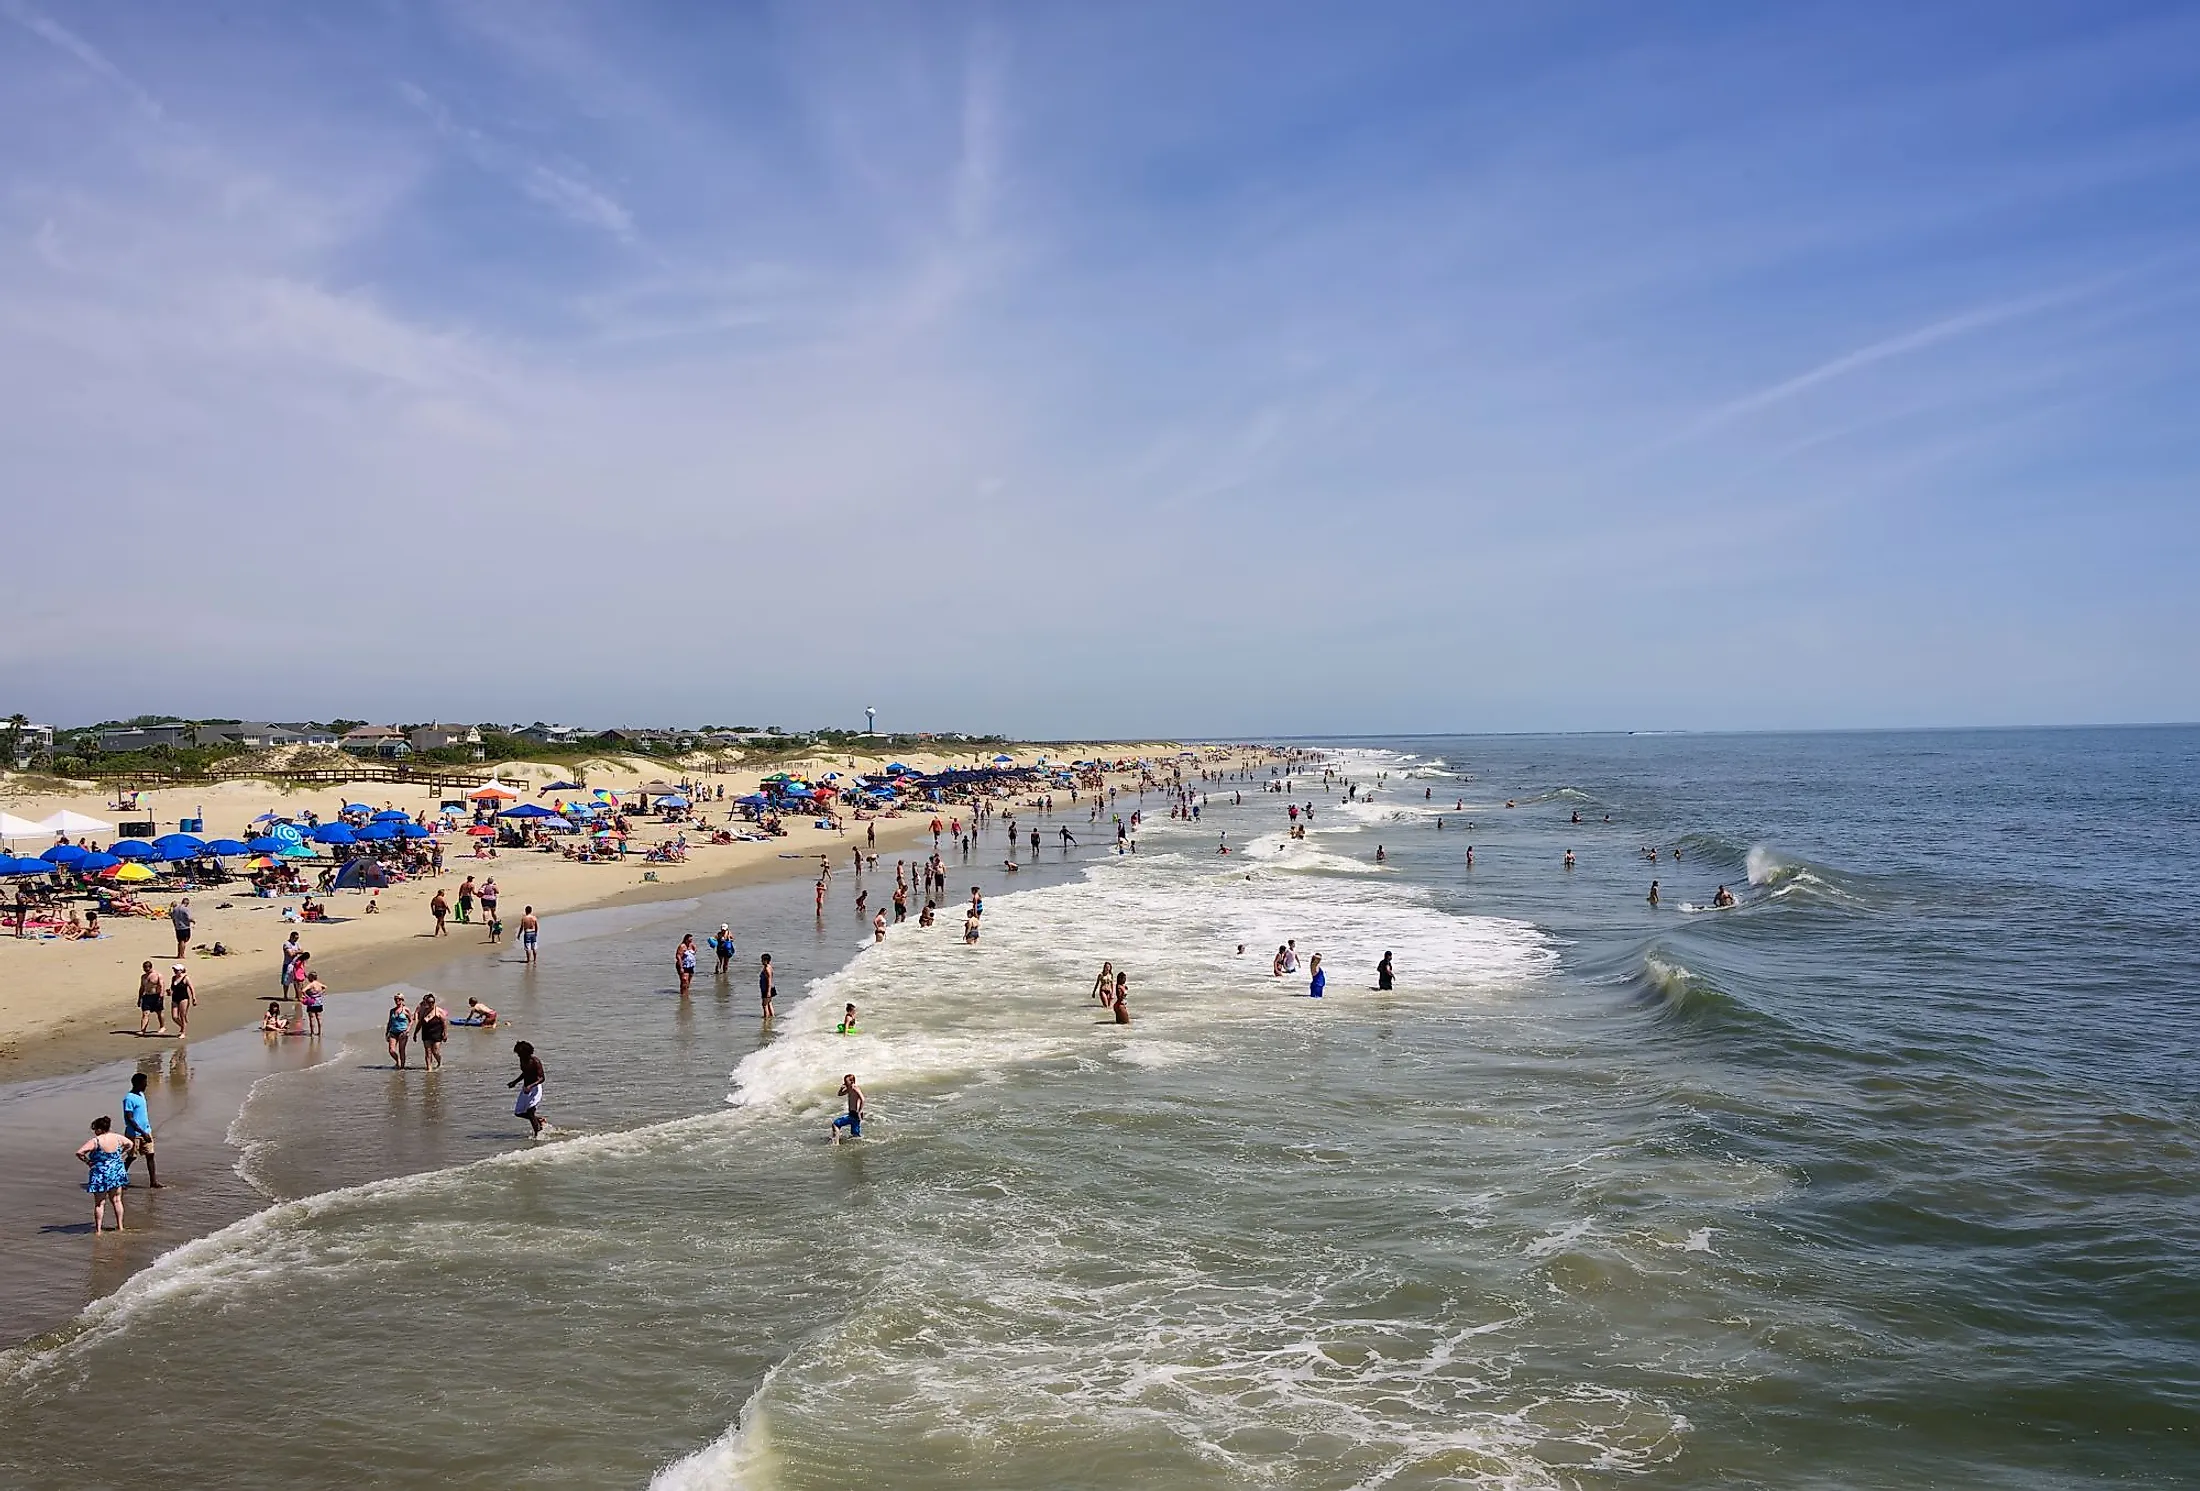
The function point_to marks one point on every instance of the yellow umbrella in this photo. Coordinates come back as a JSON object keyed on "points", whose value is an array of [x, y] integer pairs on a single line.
{"points": [[133, 871]]}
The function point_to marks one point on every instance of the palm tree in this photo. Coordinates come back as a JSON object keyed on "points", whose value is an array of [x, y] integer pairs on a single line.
{"points": [[16, 724]]}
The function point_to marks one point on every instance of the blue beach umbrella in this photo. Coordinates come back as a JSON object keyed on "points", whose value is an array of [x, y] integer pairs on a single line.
{"points": [[378, 831], [561, 787], [132, 849], [226, 847], [357, 807], [13, 866], [391, 815], [179, 846], [93, 864], [335, 833], [675, 801], [529, 810], [264, 844], [64, 854], [412, 831]]}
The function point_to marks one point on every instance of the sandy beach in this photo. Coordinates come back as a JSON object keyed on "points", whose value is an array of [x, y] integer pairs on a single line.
{"points": [[68, 1005]]}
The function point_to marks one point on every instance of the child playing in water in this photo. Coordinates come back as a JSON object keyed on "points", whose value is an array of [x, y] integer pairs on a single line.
{"points": [[478, 1013]]}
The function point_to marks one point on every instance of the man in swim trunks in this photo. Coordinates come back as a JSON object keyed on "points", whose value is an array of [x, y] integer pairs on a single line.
{"points": [[852, 1120], [530, 926], [152, 1001], [766, 986], [137, 1127]]}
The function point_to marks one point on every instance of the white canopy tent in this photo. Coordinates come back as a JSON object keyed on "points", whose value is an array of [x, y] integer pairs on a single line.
{"points": [[66, 822], [12, 827]]}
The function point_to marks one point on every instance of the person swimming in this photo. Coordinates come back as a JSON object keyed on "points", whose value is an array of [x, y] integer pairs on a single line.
{"points": [[847, 1025], [1724, 898]]}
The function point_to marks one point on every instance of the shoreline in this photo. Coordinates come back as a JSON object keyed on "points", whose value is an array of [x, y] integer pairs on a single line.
{"points": [[65, 1004], [234, 998]]}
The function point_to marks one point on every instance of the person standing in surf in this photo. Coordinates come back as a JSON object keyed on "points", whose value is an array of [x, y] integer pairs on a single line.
{"points": [[530, 927], [1121, 1000], [529, 1082], [767, 986], [107, 1155], [1319, 981], [1653, 893], [1383, 974], [137, 1127], [852, 1120], [397, 1030], [435, 1028], [722, 945], [683, 962]]}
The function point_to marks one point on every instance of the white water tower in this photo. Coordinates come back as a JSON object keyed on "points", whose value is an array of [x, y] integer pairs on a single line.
{"points": [[870, 722]]}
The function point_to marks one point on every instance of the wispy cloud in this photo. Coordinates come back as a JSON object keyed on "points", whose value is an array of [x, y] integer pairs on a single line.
{"points": [[1918, 339], [49, 30], [562, 188]]}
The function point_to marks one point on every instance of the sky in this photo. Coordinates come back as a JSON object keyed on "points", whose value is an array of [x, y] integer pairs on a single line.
{"points": [[1064, 370]]}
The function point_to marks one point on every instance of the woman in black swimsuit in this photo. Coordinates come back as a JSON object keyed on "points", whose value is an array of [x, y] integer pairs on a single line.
{"points": [[435, 1028]]}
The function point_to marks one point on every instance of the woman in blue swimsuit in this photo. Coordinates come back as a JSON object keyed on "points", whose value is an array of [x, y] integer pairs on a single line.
{"points": [[398, 1030], [107, 1154]]}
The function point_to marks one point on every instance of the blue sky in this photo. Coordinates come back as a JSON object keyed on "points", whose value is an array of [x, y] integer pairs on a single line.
{"points": [[1065, 369]]}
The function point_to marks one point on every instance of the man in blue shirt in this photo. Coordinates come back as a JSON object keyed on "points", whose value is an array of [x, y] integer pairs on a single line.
{"points": [[137, 1127]]}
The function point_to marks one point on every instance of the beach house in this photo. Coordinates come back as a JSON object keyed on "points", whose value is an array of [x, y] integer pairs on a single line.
{"points": [[385, 742], [445, 737]]}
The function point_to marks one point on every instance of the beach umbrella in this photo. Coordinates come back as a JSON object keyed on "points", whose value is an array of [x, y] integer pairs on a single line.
{"points": [[133, 873], [481, 831], [64, 854], [269, 817], [357, 807], [800, 792], [493, 792], [561, 787], [391, 815], [14, 866], [894, 767], [93, 864], [264, 844], [261, 862], [412, 831], [335, 833], [378, 831], [1004, 760], [226, 847], [529, 810], [132, 849], [179, 846], [675, 801]]}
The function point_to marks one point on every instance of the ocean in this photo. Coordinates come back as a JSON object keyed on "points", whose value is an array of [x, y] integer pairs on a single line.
{"points": [[1884, 1177]]}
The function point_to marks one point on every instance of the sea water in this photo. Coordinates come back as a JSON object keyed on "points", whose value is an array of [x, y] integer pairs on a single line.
{"points": [[1884, 1177]]}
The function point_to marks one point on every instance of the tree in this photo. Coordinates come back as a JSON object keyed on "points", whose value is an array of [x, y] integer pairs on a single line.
{"points": [[16, 724]]}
